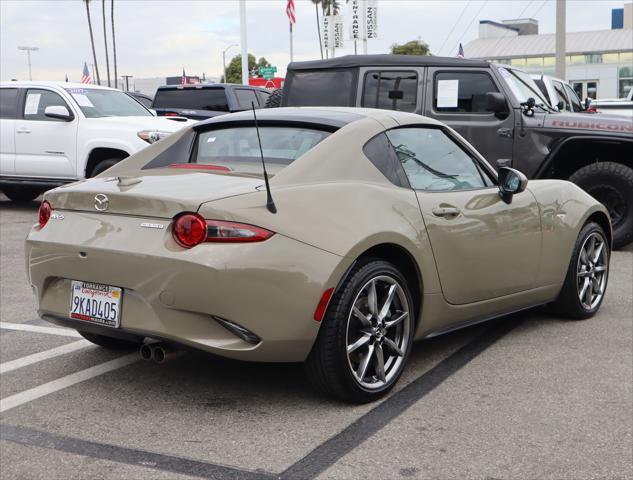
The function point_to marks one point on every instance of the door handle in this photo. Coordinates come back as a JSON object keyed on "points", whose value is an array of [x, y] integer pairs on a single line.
{"points": [[505, 132], [446, 211], [23, 130]]}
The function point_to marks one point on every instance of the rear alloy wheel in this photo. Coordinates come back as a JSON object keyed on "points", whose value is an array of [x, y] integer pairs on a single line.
{"points": [[586, 281], [366, 336], [22, 194], [612, 185]]}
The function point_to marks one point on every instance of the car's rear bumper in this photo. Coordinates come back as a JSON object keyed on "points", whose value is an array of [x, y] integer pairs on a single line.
{"points": [[271, 288]]}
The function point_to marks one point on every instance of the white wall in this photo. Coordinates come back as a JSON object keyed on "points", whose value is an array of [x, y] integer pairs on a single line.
{"points": [[607, 76]]}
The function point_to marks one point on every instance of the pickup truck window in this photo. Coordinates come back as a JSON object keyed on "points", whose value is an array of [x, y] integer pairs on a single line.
{"points": [[434, 162], [36, 102], [391, 90], [97, 103], [245, 96], [328, 88], [8, 102], [471, 91], [192, 99]]}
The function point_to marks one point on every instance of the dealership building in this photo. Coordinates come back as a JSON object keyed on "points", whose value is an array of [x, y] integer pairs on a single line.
{"points": [[599, 63]]}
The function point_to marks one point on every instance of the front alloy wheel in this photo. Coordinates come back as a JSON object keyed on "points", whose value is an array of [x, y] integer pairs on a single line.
{"points": [[366, 335]]}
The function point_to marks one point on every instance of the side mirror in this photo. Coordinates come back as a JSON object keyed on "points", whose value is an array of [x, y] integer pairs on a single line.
{"points": [[511, 182], [59, 112], [496, 103], [560, 105], [587, 103]]}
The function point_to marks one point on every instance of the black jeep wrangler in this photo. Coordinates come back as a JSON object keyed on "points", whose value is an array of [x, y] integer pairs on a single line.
{"points": [[498, 109]]}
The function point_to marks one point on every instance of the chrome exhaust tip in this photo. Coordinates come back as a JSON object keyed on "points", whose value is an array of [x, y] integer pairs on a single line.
{"points": [[145, 351]]}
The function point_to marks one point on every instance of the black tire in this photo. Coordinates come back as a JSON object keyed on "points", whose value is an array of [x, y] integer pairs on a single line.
{"points": [[22, 194], [327, 367], [102, 166], [274, 99], [110, 343], [611, 184], [568, 303]]}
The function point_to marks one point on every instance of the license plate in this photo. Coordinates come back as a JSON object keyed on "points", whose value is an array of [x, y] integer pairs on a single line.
{"points": [[96, 303]]}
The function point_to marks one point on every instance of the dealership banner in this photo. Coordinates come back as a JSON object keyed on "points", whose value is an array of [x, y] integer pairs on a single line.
{"points": [[371, 19]]}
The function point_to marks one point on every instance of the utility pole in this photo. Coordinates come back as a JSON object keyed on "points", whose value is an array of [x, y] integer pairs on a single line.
{"points": [[127, 81], [28, 51], [92, 66], [560, 38], [224, 58], [243, 41]]}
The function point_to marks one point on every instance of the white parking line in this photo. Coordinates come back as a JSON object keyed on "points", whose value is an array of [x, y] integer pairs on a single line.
{"points": [[66, 332], [45, 355], [64, 382]]}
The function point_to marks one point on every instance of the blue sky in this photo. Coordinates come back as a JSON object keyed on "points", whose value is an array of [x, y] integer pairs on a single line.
{"points": [[160, 37]]}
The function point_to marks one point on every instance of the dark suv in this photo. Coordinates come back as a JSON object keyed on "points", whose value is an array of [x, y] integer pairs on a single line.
{"points": [[201, 101], [498, 109]]}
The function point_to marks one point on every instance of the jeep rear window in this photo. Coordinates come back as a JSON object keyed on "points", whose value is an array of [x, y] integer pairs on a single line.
{"points": [[192, 99], [334, 88], [391, 90], [237, 148]]}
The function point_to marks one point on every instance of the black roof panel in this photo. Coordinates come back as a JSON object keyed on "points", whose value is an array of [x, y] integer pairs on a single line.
{"points": [[350, 61]]}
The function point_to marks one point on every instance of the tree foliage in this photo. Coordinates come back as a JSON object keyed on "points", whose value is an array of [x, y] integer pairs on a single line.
{"points": [[414, 47], [234, 68]]}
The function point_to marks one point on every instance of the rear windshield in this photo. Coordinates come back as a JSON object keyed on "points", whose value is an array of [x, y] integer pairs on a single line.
{"points": [[192, 99], [237, 149], [334, 88]]}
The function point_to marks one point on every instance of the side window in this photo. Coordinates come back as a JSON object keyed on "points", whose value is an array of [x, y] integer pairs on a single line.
{"points": [[462, 92], [560, 94], [384, 158], [245, 96], [391, 90], [8, 102], [574, 99], [36, 102], [263, 97], [433, 161]]}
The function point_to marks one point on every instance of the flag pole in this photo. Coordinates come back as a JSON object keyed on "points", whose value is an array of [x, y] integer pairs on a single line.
{"points": [[291, 51]]}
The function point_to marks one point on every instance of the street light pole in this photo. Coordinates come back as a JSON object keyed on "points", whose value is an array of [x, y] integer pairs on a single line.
{"points": [[28, 51], [243, 42], [224, 58]]}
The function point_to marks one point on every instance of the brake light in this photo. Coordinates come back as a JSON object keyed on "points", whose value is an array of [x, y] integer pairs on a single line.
{"points": [[190, 229], [170, 114], [45, 213]]}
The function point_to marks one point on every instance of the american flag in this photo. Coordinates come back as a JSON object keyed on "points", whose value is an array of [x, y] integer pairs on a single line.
{"points": [[290, 11], [85, 75], [183, 80], [460, 52]]}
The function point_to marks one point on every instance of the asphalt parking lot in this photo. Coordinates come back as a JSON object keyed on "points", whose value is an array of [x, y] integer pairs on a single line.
{"points": [[528, 396]]}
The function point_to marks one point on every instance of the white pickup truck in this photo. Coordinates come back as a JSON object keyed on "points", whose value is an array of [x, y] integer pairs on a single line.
{"points": [[52, 133]]}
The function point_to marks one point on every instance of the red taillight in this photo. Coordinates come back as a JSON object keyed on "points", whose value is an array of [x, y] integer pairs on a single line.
{"points": [[190, 229], [45, 213], [322, 306], [170, 114]]}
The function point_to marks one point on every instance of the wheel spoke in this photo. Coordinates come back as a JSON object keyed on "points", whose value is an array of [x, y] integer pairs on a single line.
{"points": [[380, 364], [597, 252], [584, 274], [387, 305], [583, 257], [361, 318], [362, 368], [600, 268], [596, 286], [589, 294], [591, 246], [391, 345], [358, 343], [585, 285], [396, 320], [372, 299]]}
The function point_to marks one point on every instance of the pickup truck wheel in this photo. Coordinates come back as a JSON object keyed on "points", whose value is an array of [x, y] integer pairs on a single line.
{"points": [[103, 165], [274, 99], [22, 194], [611, 184]]}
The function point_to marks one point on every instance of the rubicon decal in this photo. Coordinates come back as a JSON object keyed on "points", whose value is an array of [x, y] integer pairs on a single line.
{"points": [[611, 127]]}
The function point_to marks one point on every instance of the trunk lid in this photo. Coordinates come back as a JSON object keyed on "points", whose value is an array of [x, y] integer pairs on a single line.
{"points": [[152, 195]]}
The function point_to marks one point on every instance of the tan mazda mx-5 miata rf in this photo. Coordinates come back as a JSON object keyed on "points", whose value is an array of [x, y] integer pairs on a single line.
{"points": [[381, 228]]}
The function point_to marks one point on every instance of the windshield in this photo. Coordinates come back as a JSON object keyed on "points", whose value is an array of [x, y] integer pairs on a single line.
{"points": [[237, 149], [96, 103], [522, 85]]}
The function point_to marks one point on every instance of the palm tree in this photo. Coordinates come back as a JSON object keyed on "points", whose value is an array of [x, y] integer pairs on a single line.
{"points": [[105, 39], [113, 43], [92, 42]]}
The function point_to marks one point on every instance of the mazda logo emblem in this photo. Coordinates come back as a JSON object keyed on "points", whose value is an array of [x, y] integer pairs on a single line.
{"points": [[101, 202]]}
